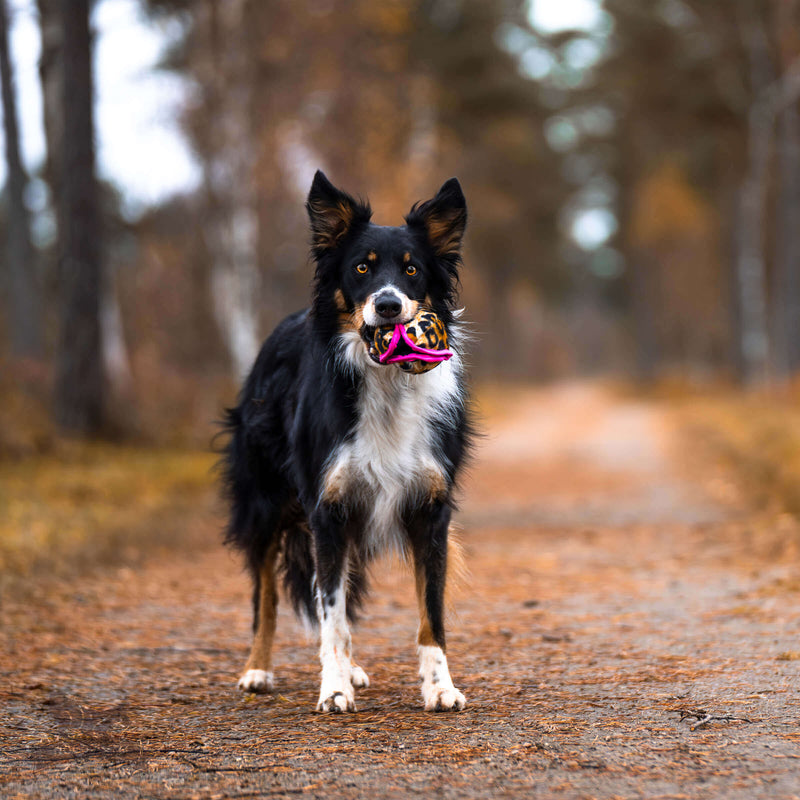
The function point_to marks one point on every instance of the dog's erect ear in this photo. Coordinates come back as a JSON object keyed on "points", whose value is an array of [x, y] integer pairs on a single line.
{"points": [[333, 214], [443, 219]]}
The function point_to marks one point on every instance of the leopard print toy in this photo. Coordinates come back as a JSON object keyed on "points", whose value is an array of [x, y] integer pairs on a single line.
{"points": [[418, 346]]}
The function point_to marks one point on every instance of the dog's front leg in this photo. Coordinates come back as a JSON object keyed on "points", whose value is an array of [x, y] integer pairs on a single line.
{"points": [[429, 544], [336, 690]]}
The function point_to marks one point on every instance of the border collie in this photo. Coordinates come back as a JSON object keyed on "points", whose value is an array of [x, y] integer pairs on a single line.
{"points": [[333, 458]]}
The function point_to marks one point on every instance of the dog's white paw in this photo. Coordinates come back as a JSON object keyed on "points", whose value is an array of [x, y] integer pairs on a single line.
{"points": [[444, 699], [438, 692], [336, 702], [358, 677], [257, 681]]}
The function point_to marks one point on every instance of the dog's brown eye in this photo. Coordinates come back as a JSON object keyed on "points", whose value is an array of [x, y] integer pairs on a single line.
{"points": [[411, 270], [362, 269]]}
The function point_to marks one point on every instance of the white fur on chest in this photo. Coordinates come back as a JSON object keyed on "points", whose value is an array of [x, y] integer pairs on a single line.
{"points": [[391, 456]]}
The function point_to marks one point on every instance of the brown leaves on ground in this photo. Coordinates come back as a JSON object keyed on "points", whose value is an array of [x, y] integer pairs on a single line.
{"points": [[759, 437], [79, 505], [613, 592]]}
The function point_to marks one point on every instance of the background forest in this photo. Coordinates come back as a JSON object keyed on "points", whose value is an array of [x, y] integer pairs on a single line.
{"points": [[632, 169]]}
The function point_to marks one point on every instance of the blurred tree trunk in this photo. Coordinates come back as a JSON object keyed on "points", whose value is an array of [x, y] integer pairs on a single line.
{"points": [[642, 277], [80, 383], [502, 348], [50, 70], [644, 304], [232, 232], [750, 266], [23, 313], [727, 202], [116, 358], [786, 273], [50, 79], [776, 88], [750, 262]]}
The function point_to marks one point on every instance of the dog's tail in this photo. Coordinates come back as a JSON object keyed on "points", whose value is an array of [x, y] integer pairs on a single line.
{"points": [[255, 515]]}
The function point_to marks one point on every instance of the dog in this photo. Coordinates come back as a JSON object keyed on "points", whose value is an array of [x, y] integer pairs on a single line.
{"points": [[333, 458]]}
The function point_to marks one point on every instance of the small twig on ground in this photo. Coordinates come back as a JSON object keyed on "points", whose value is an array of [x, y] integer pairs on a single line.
{"points": [[704, 717], [209, 769]]}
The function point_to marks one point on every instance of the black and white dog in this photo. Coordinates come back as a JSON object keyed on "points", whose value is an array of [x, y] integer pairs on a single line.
{"points": [[333, 457]]}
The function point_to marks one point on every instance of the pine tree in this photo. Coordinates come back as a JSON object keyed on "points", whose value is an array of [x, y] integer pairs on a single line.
{"points": [[80, 382], [23, 312]]}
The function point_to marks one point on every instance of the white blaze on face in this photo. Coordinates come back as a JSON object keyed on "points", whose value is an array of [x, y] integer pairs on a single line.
{"points": [[408, 307], [438, 692]]}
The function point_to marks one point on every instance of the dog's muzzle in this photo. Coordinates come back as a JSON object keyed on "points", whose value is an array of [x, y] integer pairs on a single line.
{"points": [[388, 306]]}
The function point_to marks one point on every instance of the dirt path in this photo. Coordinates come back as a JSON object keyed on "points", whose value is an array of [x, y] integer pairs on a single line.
{"points": [[614, 587]]}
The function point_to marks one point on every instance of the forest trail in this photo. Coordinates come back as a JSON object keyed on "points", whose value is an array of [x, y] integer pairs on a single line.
{"points": [[616, 584]]}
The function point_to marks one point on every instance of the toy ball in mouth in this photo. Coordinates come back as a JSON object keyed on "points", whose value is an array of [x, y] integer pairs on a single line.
{"points": [[417, 346]]}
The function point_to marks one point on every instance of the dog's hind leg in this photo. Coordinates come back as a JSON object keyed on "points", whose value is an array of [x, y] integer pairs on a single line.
{"points": [[258, 677], [429, 545], [336, 690]]}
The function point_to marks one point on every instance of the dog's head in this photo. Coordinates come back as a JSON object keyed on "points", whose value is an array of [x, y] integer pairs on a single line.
{"points": [[368, 275]]}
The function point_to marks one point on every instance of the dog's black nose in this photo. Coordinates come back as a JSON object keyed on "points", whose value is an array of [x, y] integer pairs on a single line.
{"points": [[388, 306]]}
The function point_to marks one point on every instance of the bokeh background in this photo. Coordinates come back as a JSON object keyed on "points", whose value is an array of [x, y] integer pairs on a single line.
{"points": [[631, 519], [632, 169]]}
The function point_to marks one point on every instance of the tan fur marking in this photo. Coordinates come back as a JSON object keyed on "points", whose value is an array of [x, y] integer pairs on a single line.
{"points": [[372, 256], [335, 486], [345, 316], [406, 258], [331, 223], [261, 652], [457, 571], [444, 237], [424, 633], [346, 213], [358, 318], [437, 486], [456, 577], [350, 320]]}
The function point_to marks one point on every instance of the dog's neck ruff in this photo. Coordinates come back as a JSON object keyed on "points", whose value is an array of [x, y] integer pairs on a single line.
{"points": [[392, 454]]}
